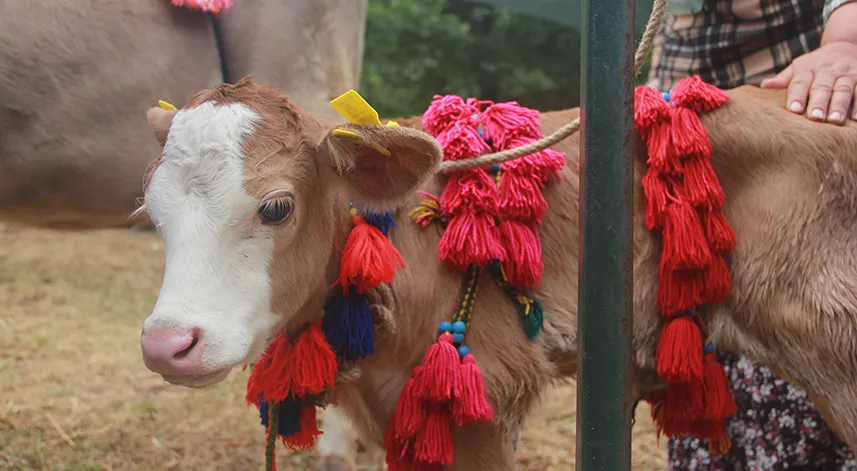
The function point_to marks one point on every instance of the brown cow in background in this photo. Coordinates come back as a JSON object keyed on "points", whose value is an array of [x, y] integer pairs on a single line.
{"points": [[72, 72]]}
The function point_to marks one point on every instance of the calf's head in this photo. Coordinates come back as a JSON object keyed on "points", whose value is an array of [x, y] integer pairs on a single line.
{"points": [[251, 199]]}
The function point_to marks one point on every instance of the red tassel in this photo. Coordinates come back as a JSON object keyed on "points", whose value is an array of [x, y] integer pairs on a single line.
{"points": [[441, 374], [470, 239], [435, 443], [679, 291], [369, 258], [721, 444], [397, 450], [313, 363], [444, 111], [701, 185], [661, 158], [656, 400], [719, 403], [411, 411], [689, 136], [656, 193], [720, 234], [461, 141], [305, 438], [502, 121], [523, 265], [649, 108], [694, 93], [521, 198], [684, 405], [542, 165], [271, 374], [718, 281], [471, 402], [680, 351], [684, 243], [469, 190]]}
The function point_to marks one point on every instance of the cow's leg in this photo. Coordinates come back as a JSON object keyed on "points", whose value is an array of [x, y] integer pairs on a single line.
{"points": [[484, 447], [336, 446]]}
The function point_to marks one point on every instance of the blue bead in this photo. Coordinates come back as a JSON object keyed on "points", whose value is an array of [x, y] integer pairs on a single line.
{"points": [[445, 326], [494, 168], [667, 96], [459, 327], [692, 312], [479, 131], [458, 338], [709, 348], [463, 351]]}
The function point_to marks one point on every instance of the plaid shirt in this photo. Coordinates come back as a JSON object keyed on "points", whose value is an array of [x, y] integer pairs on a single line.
{"points": [[735, 42]]}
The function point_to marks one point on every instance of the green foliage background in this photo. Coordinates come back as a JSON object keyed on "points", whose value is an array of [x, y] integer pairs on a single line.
{"points": [[501, 50]]}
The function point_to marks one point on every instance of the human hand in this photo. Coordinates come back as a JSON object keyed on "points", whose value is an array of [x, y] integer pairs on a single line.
{"points": [[822, 82]]}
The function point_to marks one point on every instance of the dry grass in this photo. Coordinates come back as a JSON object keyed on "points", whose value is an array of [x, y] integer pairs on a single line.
{"points": [[74, 394]]}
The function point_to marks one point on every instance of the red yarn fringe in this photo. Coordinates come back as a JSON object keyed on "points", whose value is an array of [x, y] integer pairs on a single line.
{"points": [[313, 362], [271, 375], [470, 238], [523, 265], [680, 351], [305, 438], [471, 402], [683, 201], [439, 378], [369, 258]]}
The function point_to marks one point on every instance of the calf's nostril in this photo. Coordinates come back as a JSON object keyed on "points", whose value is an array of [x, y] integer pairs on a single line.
{"points": [[183, 353]]}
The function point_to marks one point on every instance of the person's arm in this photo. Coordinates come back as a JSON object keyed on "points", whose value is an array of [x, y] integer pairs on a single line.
{"points": [[823, 82]]}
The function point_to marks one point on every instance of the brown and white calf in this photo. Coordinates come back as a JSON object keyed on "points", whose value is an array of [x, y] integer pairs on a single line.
{"points": [[232, 281]]}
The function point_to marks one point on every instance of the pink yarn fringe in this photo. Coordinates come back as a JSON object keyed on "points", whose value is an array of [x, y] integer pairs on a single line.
{"points": [[213, 6]]}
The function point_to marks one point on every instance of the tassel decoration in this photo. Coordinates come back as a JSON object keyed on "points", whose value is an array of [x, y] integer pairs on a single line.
{"points": [[347, 323], [471, 403], [680, 351], [369, 258]]}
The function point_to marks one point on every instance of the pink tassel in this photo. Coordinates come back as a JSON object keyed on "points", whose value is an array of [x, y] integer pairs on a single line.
{"points": [[693, 93], [461, 141], [444, 111], [469, 190], [435, 443], [521, 198], [471, 402], [689, 136], [439, 379], [470, 239], [649, 108], [213, 6], [523, 265], [542, 165], [411, 411], [502, 121]]}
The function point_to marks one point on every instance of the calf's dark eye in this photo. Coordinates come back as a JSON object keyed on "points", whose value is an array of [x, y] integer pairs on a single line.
{"points": [[275, 210]]}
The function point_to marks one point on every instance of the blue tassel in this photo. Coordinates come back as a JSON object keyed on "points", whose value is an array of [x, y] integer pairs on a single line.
{"points": [[347, 324], [290, 416], [383, 221]]}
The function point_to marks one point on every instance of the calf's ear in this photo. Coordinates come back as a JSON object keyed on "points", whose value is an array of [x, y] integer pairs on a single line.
{"points": [[160, 120], [381, 164]]}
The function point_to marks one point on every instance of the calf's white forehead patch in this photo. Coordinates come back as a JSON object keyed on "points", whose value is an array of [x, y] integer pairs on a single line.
{"points": [[216, 277]]}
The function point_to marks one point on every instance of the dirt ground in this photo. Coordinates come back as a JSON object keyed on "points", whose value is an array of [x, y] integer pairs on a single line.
{"points": [[74, 394]]}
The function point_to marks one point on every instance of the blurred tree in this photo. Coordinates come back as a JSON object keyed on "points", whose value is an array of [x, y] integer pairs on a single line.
{"points": [[523, 50]]}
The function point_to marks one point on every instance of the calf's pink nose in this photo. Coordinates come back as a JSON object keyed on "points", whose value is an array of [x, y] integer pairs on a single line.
{"points": [[169, 352]]}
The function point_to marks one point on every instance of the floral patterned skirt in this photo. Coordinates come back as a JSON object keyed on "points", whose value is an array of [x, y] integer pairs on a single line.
{"points": [[776, 428]]}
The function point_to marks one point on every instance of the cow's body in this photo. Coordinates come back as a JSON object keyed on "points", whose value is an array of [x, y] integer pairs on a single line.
{"points": [[791, 197], [73, 72]]}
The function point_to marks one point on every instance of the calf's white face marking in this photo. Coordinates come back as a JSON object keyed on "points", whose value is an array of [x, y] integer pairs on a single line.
{"points": [[216, 278]]}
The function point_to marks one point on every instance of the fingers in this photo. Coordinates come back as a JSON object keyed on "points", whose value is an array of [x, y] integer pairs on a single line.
{"points": [[854, 105], [840, 100], [799, 91], [819, 96], [781, 80]]}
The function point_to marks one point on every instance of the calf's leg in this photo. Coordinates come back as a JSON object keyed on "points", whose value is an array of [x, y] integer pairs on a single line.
{"points": [[485, 447], [335, 447]]}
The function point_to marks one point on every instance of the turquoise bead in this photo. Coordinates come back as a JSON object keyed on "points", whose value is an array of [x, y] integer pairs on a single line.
{"points": [[445, 326], [459, 327]]}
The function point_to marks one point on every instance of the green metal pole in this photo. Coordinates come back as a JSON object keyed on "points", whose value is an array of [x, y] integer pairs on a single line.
{"points": [[606, 266]]}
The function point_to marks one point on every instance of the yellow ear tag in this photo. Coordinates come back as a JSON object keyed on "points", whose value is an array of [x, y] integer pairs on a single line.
{"points": [[351, 106], [393, 123], [358, 138], [166, 106]]}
